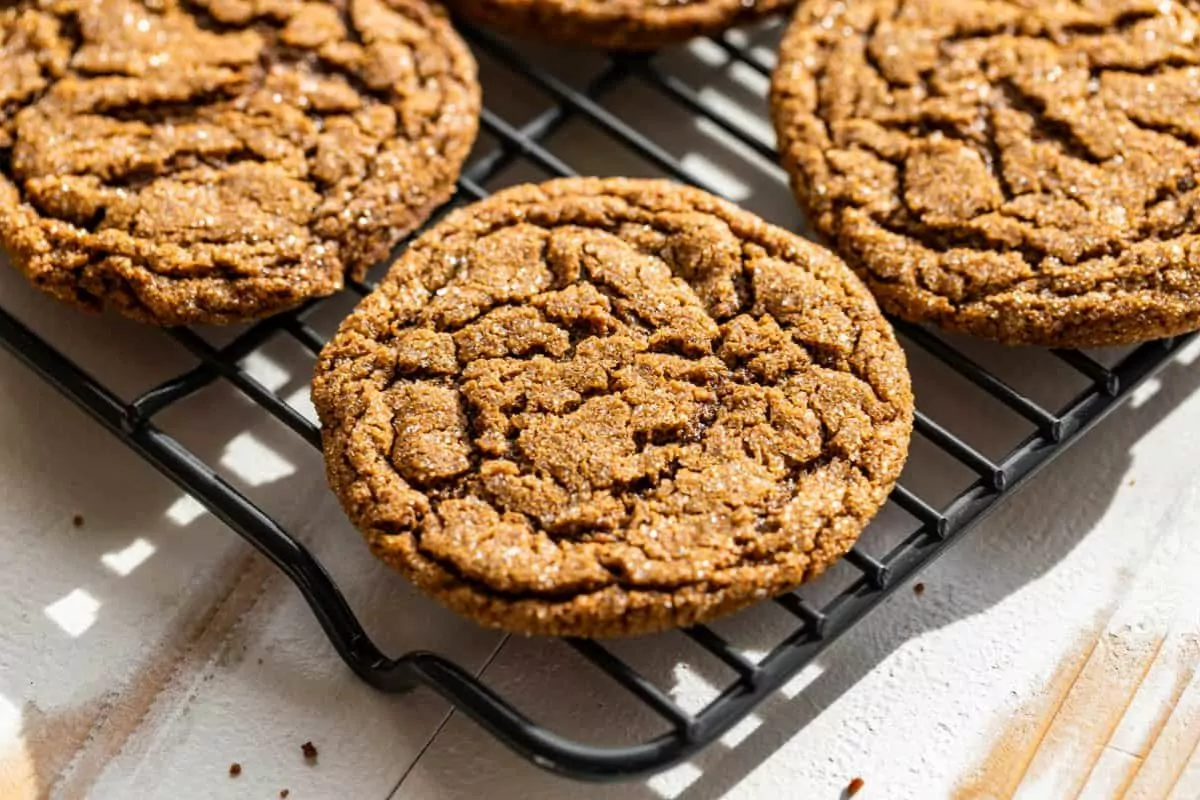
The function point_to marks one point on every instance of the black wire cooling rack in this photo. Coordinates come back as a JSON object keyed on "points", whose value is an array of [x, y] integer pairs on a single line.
{"points": [[814, 626]]}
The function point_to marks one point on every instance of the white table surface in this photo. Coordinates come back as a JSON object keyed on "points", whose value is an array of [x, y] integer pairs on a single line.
{"points": [[1051, 655]]}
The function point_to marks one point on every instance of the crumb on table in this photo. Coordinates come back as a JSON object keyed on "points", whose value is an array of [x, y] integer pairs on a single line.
{"points": [[855, 787], [918, 589], [235, 769], [77, 520], [284, 792], [309, 750]]}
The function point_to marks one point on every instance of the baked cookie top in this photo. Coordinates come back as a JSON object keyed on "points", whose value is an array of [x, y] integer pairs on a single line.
{"points": [[192, 161], [614, 24], [1022, 170], [607, 406]]}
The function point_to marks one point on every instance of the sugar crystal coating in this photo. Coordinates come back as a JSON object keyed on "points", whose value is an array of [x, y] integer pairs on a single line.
{"points": [[601, 407], [1021, 171], [222, 160]]}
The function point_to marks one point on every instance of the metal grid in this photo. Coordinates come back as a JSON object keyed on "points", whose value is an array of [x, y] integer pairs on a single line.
{"points": [[813, 627]]}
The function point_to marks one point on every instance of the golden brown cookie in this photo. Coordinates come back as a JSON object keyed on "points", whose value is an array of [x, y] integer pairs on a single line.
{"points": [[614, 24], [599, 407], [1023, 171], [216, 161]]}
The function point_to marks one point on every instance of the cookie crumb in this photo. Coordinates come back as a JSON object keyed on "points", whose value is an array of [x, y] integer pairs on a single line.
{"points": [[77, 520], [235, 769], [284, 792], [918, 589], [310, 751], [1132, 481], [855, 787]]}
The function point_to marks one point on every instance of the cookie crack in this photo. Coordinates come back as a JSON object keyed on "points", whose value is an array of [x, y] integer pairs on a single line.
{"points": [[1123, 22], [207, 21], [993, 158], [1168, 128], [142, 176], [1096, 72], [565, 595], [943, 240], [1046, 127]]}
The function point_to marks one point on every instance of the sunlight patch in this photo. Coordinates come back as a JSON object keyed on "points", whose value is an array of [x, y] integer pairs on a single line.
{"points": [[741, 731], [707, 51], [301, 400], [266, 371], [802, 680], [705, 171], [126, 561], [18, 773], [691, 691], [1189, 353], [1142, 394], [673, 782], [185, 511], [254, 462], [74, 613]]}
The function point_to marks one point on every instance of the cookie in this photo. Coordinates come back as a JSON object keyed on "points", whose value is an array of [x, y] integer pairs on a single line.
{"points": [[600, 407], [614, 24], [217, 161], [1025, 172]]}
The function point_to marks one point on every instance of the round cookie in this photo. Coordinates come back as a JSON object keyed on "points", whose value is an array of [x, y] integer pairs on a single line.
{"points": [[1020, 171], [614, 24], [220, 160], [600, 407]]}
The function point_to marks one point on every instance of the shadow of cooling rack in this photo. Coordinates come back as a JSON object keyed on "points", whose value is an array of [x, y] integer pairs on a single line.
{"points": [[531, 146]]}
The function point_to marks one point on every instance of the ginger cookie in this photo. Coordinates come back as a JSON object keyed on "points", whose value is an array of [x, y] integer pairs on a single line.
{"points": [[599, 407], [221, 160], [614, 24], [1022, 171]]}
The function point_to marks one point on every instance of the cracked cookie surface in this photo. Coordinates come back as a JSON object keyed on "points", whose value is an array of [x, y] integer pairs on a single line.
{"points": [[614, 24], [600, 407], [222, 160], [1022, 171]]}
